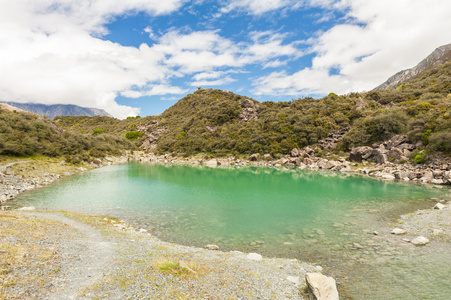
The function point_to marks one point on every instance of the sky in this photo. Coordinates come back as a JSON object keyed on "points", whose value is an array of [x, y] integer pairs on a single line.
{"points": [[138, 57]]}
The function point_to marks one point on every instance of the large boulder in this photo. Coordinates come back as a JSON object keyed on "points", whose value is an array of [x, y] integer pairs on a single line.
{"points": [[396, 141], [395, 154], [360, 153], [379, 156], [254, 157], [321, 287], [295, 152], [212, 163]]}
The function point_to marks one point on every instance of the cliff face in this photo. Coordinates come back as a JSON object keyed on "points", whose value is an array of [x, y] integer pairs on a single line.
{"points": [[440, 56], [59, 110]]}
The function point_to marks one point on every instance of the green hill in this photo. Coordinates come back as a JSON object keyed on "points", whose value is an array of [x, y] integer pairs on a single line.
{"points": [[223, 123]]}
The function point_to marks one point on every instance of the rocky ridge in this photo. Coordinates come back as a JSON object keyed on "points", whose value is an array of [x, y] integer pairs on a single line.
{"points": [[437, 57]]}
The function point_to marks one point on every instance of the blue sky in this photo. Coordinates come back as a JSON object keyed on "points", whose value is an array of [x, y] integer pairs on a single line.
{"points": [[141, 56]]}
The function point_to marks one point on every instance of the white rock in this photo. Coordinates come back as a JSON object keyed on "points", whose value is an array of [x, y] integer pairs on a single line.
{"points": [[27, 208], [254, 257], [420, 241], [321, 287], [398, 231], [294, 279], [439, 206], [212, 247], [142, 230], [388, 177], [211, 163]]}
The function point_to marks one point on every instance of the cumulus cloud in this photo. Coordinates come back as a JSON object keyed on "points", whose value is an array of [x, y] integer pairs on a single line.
{"points": [[53, 53], [379, 39]]}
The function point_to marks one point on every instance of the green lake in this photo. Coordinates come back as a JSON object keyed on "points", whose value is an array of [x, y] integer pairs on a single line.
{"points": [[314, 217]]}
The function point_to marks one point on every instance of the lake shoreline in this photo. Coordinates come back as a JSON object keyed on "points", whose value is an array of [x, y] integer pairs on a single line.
{"points": [[15, 180], [146, 158]]}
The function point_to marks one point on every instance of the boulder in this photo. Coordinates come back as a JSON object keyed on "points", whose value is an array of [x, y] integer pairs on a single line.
{"points": [[396, 141], [406, 146], [379, 156], [308, 150], [360, 153], [295, 152], [254, 257], [398, 231], [395, 154], [439, 206], [254, 157], [321, 287], [420, 241], [211, 163], [212, 247]]}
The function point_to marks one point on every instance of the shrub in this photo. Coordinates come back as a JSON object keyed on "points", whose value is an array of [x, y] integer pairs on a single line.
{"points": [[419, 159], [97, 131], [441, 141], [133, 135]]}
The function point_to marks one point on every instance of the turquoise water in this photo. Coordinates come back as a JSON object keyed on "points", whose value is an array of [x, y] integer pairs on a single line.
{"points": [[312, 216]]}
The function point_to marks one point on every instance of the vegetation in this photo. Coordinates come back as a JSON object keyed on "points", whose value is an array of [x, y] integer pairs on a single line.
{"points": [[26, 134], [218, 122]]}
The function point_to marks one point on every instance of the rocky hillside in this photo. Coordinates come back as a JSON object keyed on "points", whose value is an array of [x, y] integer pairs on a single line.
{"points": [[52, 111], [221, 123], [440, 56]]}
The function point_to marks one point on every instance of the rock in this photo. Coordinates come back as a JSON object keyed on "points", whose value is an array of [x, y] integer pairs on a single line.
{"points": [[5, 208], [396, 141], [379, 156], [27, 208], [254, 257], [294, 279], [395, 154], [398, 231], [439, 206], [212, 247], [360, 153], [321, 287], [254, 157], [212, 163], [97, 161], [388, 177], [295, 152], [267, 156], [420, 241], [308, 161]]}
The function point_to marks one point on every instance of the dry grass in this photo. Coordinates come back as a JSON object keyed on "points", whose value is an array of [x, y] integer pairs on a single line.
{"points": [[28, 258]]}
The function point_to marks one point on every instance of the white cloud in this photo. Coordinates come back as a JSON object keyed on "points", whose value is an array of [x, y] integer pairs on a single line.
{"points": [[50, 54], [154, 90], [217, 82], [258, 7], [379, 39]]}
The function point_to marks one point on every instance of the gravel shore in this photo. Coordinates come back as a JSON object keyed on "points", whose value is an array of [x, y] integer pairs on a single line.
{"points": [[102, 258]]}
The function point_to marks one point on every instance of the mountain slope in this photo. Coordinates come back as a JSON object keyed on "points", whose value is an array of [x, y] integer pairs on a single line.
{"points": [[59, 109], [438, 57]]}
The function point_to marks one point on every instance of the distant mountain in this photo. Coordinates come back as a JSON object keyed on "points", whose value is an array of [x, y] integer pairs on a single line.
{"points": [[59, 109], [440, 56]]}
